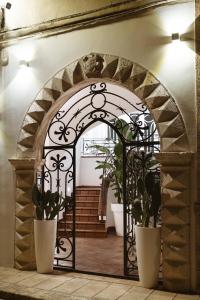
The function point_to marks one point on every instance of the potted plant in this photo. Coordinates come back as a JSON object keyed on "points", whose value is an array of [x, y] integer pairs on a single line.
{"points": [[47, 206], [112, 167], [145, 210]]}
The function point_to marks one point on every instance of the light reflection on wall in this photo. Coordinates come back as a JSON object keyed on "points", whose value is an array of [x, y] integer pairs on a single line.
{"points": [[177, 20], [25, 51], [24, 56], [177, 56]]}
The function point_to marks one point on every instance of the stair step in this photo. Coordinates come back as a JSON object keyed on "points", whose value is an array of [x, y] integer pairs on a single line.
{"points": [[88, 187], [86, 204], [87, 197], [86, 191], [82, 225], [86, 233], [87, 220], [87, 210], [82, 217]]}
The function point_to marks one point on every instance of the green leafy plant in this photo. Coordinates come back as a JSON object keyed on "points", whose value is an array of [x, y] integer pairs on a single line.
{"points": [[146, 197], [47, 204], [143, 190], [112, 166]]}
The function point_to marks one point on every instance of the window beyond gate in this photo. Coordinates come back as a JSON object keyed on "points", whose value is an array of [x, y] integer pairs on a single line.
{"points": [[111, 104]]}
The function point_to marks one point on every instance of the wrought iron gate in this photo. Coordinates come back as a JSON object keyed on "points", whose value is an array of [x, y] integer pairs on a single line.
{"points": [[102, 102]]}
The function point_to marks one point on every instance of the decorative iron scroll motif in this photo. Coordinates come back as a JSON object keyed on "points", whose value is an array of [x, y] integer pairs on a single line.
{"points": [[132, 122], [132, 170], [58, 176], [95, 104], [89, 150]]}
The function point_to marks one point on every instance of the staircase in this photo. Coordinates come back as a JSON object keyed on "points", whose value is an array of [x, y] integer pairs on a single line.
{"points": [[87, 220]]}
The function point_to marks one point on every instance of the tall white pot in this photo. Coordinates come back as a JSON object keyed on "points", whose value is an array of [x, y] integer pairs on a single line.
{"points": [[148, 247], [117, 210], [45, 239]]}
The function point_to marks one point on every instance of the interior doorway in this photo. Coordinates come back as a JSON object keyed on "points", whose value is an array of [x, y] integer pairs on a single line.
{"points": [[122, 111], [98, 248]]}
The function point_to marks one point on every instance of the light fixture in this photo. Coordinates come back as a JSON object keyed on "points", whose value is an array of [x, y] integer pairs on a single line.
{"points": [[175, 37], [2, 13], [8, 5]]}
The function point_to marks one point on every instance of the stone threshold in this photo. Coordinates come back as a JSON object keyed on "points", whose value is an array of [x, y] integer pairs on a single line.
{"points": [[30, 285]]}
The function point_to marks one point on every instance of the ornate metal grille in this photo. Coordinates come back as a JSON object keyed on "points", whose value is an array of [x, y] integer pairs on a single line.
{"points": [[97, 102], [89, 150]]}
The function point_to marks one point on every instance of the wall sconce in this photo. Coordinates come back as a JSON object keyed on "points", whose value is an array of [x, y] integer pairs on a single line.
{"points": [[8, 5], [2, 14], [176, 37], [24, 63]]}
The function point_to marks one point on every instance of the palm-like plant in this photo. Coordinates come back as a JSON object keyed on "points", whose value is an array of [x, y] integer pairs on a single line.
{"points": [[112, 166], [146, 197], [143, 190], [47, 204]]}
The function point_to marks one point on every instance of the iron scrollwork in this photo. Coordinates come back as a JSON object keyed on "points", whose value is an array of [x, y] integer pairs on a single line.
{"points": [[96, 105], [96, 102]]}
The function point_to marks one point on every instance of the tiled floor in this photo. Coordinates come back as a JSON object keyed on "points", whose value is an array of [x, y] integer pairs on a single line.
{"points": [[15, 284]]}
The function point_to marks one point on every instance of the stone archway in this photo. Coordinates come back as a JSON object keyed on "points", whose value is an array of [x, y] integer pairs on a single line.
{"points": [[131, 75], [174, 157]]}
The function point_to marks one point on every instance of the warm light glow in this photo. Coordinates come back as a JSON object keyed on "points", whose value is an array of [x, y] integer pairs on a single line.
{"points": [[176, 41], [25, 52], [24, 64], [2, 2], [176, 20], [176, 24], [175, 55], [24, 71]]}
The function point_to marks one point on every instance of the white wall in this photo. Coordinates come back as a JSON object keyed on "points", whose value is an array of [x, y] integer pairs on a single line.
{"points": [[88, 174], [144, 40], [109, 214]]}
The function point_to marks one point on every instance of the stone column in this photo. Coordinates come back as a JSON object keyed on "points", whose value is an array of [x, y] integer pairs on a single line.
{"points": [[24, 241], [176, 219]]}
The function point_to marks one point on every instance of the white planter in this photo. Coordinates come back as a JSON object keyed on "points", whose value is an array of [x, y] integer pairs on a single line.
{"points": [[148, 255], [45, 239], [117, 210]]}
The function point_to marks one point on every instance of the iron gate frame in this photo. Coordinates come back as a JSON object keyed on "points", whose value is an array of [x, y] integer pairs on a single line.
{"points": [[95, 90]]}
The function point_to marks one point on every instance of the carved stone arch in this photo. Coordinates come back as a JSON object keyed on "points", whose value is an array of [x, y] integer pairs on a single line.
{"points": [[174, 158], [136, 78]]}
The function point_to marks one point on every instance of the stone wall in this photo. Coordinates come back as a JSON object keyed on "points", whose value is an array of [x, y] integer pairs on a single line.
{"points": [[197, 206]]}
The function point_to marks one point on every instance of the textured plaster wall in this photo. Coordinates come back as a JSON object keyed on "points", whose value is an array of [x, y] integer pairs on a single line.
{"points": [[143, 40], [21, 14], [6, 184]]}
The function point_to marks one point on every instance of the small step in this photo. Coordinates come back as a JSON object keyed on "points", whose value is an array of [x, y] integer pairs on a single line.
{"points": [[82, 225], [86, 233], [87, 203], [87, 191], [87, 197], [87, 210], [82, 217]]}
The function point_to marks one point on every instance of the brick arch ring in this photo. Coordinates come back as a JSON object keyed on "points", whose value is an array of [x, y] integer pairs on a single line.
{"points": [[136, 78]]}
